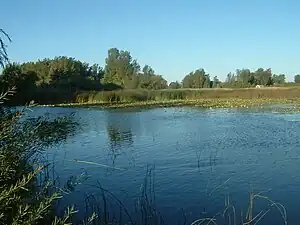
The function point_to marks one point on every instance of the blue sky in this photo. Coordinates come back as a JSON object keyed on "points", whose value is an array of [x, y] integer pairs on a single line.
{"points": [[174, 37]]}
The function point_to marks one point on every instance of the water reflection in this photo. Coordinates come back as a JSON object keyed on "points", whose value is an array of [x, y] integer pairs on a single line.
{"points": [[117, 137], [120, 135]]}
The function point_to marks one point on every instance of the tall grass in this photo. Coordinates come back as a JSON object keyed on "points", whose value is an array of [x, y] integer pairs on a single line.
{"points": [[185, 94]]}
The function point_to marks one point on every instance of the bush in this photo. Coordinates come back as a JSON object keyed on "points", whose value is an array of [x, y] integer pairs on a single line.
{"points": [[26, 195]]}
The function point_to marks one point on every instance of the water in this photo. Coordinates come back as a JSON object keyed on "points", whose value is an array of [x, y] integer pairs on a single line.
{"points": [[201, 156]]}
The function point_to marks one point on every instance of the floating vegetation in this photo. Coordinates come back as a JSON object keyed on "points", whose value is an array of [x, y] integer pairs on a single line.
{"points": [[278, 105], [276, 99]]}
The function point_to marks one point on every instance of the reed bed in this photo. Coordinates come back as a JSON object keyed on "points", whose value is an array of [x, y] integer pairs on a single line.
{"points": [[137, 95], [263, 103], [206, 98]]}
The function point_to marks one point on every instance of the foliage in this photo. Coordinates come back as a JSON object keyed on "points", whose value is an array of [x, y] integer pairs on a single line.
{"points": [[120, 68], [297, 78], [35, 80], [57, 80], [278, 79], [197, 79], [26, 194], [245, 78]]}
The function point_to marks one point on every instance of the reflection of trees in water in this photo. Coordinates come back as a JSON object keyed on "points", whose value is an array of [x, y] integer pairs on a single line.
{"points": [[120, 135], [117, 137]]}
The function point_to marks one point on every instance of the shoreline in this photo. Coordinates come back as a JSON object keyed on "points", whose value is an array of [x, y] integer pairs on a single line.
{"points": [[201, 103]]}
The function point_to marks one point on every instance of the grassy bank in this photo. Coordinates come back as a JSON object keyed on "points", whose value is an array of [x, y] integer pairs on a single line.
{"points": [[215, 98], [278, 105], [186, 94], [205, 103]]}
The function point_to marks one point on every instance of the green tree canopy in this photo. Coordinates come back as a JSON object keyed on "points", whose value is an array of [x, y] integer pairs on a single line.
{"points": [[174, 85], [297, 78], [278, 79], [245, 78], [120, 68], [196, 79]]}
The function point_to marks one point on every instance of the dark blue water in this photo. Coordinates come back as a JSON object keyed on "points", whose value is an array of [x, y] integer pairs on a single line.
{"points": [[201, 156]]}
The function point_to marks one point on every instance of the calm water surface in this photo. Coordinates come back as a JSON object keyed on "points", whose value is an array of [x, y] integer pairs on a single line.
{"points": [[201, 156]]}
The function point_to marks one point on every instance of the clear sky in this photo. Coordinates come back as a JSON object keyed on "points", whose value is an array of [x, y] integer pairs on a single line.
{"points": [[174, 37]]}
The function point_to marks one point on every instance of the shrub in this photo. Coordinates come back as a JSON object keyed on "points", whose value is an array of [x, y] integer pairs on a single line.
{"points": [[26, 195]]}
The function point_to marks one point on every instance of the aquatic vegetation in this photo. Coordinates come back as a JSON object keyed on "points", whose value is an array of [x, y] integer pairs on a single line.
{"points": [[229, 215], [278, 105], [138, 95], [218, 98], [146, 211]]}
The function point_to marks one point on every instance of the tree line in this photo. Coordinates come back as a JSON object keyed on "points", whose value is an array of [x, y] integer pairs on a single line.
{"points": [[56, 80]]}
